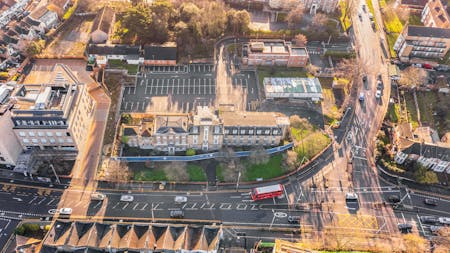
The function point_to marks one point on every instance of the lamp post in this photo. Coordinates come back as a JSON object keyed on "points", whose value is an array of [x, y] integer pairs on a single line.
{"points": [[237, 182]]}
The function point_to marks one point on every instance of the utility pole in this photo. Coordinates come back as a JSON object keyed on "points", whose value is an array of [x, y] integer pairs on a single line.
{"points": [[237, 182]]}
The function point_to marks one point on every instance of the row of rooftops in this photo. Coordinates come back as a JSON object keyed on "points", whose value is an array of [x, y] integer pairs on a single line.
{"points": [[428, 32], [274, 47], [247, 123], [149, 52], [126, 237]]}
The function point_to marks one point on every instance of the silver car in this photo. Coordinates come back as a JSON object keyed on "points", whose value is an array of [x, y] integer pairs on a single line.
{"points": [[126, 198], [180, 199]]}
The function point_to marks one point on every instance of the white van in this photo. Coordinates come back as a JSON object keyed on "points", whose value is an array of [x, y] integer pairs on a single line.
{"points": [[98, 196]]}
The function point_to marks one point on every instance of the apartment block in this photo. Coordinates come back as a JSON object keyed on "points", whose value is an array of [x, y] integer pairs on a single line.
{"points": [[274, 53], [435, 15], [204, 129], [53, 113], [419, 44]]}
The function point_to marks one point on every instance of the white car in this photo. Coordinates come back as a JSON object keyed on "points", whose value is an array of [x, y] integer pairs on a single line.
{"points": [[378, 94], [126, 198], [351, 197], [98, 196], [180, 199], [361, 96], [65, 211], [444, 220]]}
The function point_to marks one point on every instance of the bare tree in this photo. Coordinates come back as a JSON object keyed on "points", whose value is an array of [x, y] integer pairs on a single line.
{"points": [[291, 159], [259, 156], [295, 16], [415, 243], [319, 22], [347, 68], [403, 14], [300, 40], [350, 9], [176, 171], [118, 171], [300, 123], [313, 69], [413, 77]]}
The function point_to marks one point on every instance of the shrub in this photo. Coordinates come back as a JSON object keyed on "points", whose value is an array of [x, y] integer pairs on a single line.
{"points": [[190, 152]]}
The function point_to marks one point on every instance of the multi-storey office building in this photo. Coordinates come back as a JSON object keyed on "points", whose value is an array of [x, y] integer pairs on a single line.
{"points": [[435, 15], [54, 113]]}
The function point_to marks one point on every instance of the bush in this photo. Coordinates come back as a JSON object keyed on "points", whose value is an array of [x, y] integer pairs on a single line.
{"points": [[20, 230], [190, 152]]}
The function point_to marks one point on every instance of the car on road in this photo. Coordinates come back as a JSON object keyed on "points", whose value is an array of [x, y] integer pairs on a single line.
{"points": [[394, 198], [435, 229], [364, 8], [178, 214], [126, 198], [444, 220], [378, 94], [351, 197], [361, 96], [429, 219], [430, 202], [180, 199], [336, 124], [98, 196], [364, 78], [360, 17], [65, 211], [405, 227], [294, 219]]}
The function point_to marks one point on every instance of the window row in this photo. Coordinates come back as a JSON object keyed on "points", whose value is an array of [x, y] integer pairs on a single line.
{"points": [[51, 140], [42, 134]]}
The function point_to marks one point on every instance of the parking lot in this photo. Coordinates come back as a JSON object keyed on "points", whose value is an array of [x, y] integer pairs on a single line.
{"points": [[181, 88]]}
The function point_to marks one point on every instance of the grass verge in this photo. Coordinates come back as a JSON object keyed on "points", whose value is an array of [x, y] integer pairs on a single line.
{"points": [[119, 64], [196, 173], [267, 170]]}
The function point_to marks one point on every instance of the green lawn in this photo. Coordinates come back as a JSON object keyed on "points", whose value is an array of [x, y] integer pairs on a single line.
{"points": [[279, 72], [268, 170], [196, 173], [412, 112], [427, 100], [394, 112], [414, 19], [371, 10], [119, 64], [150, 175], [219, 173], [309, 142], [391, 38]]}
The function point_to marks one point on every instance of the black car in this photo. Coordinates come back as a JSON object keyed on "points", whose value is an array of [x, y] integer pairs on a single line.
{"points": [[294, 219], [364, 78], [429, 220], [431, 202], [405, 227], [394, 198]]}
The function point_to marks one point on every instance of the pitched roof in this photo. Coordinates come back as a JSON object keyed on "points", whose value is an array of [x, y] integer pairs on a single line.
{"points": [[39, 12], [113, 50], [428, 151], [104, 20], [160, 53], [129, 131], [432, 32]]}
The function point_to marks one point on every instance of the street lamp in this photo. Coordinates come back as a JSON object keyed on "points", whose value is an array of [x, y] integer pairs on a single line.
{"points": [[237, 182]]}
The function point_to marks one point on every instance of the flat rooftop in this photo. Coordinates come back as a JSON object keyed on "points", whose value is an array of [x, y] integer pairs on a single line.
{"points": [[292, 85], [269, 47], [241, 118]]}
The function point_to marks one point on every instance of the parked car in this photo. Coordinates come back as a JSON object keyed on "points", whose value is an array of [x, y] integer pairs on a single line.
{"points": [[294, 219], [178, 214], [435, 229], [429, 219], [180, 199], [431, 202], [360, 17], [444, 220], [351, 197], [364, 8], [65, 211], [126, 198], [394, 198], [97, 196], [405, 227]]}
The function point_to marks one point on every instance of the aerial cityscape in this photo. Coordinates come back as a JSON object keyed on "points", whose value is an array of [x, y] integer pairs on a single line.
{"points": [[284, 126]]}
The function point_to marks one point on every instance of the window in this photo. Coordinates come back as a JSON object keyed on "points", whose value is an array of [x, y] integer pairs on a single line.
{"points": [[68, 134], [195, 140], [49, 134], [2, 159], [217, 130], [34, 140], [31, 134], [61, 140], [52, 140], [43, 140], [235, 131], [59, 134], [258, 132], [40, 134], [250, 131], [267, 131], [26, 141], [242, 131], [23, 134]]}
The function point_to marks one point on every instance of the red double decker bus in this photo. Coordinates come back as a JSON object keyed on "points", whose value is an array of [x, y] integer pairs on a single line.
{"points": [[267, 192]]}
